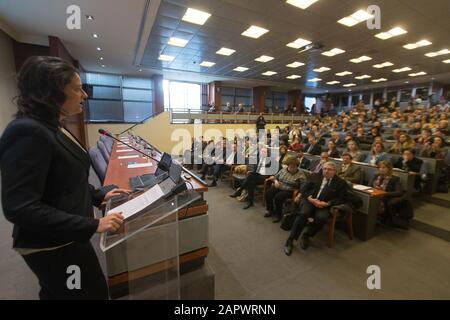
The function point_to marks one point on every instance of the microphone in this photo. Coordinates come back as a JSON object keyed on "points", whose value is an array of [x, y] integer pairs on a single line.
{"points": [[163, 165]]}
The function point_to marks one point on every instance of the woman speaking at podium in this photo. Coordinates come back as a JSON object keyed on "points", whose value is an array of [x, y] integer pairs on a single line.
{"points": [[45, 189]]}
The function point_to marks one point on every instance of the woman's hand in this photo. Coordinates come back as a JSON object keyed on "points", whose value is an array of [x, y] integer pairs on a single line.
{"points": [[110, 223], [116, 192]]}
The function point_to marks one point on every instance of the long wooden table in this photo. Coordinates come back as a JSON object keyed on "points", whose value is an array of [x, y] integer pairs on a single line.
{"points": [[119, 174]]}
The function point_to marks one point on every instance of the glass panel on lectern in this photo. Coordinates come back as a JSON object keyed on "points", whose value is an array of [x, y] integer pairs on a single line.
{"points": [[143, 258]]}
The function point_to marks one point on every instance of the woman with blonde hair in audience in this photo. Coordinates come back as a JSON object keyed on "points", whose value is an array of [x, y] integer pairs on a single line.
{"points": [[353, 150], [425, 137], [394, 195], [404, 142], [377, 154]]}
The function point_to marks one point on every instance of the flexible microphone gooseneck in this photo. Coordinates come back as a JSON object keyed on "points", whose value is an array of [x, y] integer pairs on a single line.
{"points": [[161, 165]]}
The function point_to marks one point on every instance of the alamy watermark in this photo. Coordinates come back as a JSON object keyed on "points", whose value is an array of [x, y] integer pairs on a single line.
{"points": [[374, 280], [74, 280]]}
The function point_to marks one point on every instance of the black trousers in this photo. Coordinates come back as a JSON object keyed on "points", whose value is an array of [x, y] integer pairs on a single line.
{"points": [[307, 210], [206, 168], [250, 183], [275, 199], [51, 269]]}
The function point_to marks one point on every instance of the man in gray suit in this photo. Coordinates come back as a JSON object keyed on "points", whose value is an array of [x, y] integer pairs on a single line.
{"points": [[348, 170]]}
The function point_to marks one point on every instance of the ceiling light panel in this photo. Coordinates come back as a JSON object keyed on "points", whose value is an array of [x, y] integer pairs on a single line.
{"points": [[315, 80], [437, 53], [355, 18], [333, 52], [254, 32], [293, 77], [394, 32], [207, 64], [297, 44], [333, 82], [226, 51], [240, 69], [361, 59], [196, 16], [322, 69], [177, 42], [302, 4], [295, 64], [405, 69], [418, 44], [269, 73], [264, 59], [366, 76], [344, 73], [166, 58], [383, 65]]}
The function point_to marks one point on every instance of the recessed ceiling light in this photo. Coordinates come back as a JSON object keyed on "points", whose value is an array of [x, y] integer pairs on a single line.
{"points": [[99, 49], [322, 69], [264, 59], [446, 61], [383, 65], [240, 69], [196, 16], [344, 73], [89, 17], [254, 32], [349, 85], [293, 77], [297, 44], [207, 64], [355, 18], [269, 73], [315, 80], [366, 76], [101, 58], [361, 59], [95, 35], [333, 52], [421, 43], [333, 82], [295, 64], [422, 73], [103, 66], [402, 70], [167, 58], [226, 51], [437, 53], [302, 4], [177, 42], [379, 80], [140, 70], [394, 32]]}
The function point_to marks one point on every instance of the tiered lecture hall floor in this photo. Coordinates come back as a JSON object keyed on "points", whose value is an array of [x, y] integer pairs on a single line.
{"points": [[246, 255]]}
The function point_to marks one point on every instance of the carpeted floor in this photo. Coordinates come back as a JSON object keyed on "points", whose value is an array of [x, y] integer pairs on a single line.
{"points": [[247, 257]]}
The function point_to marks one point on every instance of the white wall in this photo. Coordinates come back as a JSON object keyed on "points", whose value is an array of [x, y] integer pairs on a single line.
{"points": [[7, 81]]}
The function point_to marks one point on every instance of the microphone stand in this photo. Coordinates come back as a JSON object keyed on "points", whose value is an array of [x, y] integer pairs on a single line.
{"points": [[161, 165]]}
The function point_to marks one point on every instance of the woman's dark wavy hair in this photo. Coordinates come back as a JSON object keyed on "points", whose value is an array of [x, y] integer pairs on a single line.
{"points": [[41, 83]]}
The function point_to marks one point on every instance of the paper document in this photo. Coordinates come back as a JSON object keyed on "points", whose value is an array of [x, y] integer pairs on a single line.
{"points": [[125, 150], [140, 165], [139, 203], [360, 187], [128, 157]]}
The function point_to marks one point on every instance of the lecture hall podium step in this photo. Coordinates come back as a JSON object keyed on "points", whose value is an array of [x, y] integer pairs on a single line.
{"points": [[432, 219]]}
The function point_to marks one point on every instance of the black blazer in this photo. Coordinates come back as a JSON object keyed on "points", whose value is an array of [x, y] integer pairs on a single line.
{"points": [[305, 163], [45, 189], [335, 193], [334, 154], [412, 166], [316, 149]]}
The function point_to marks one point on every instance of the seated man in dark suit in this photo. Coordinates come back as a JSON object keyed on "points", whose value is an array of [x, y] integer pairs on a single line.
{"points": [[312, 147], [410, 163], [318, 195], [304, 162], [224, 162], [324, 158]]}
